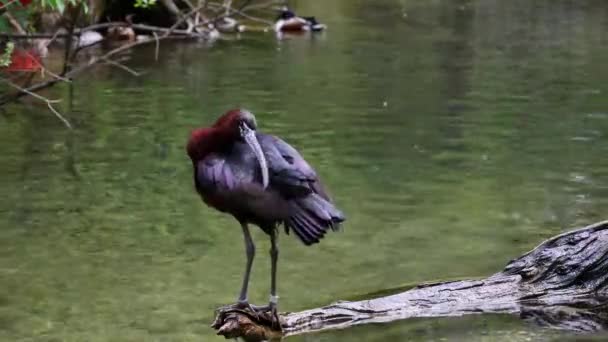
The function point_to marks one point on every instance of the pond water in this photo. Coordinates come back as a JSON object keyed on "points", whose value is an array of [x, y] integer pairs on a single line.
{"points": [[455, 135]]}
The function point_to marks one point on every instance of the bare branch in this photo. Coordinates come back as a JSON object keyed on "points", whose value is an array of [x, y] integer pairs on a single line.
{"points": [[122, 66], [78, 69], [14, 23], [59, 77], [59, 116], [69, 56], [156, 50], [55, 36], [167, 34], [244, 15], [263, 5], [48, 102], [4, 6], [227, 7], [232, 10], [141, 27], [184, 18]]}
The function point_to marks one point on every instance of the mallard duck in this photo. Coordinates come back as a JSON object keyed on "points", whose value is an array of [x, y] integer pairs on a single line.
{"points": [[288, 21], [229, 25]]}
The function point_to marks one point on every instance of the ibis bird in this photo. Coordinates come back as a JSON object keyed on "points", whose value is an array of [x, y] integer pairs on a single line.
{"points": [[259, 179]]}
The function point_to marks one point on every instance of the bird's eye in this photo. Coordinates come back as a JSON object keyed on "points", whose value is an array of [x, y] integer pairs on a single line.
{"points": [[249, 124]]}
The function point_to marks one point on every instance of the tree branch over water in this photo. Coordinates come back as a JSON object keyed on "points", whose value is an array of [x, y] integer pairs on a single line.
{"points": [[561, 284], [48, 102], [172, 32]]}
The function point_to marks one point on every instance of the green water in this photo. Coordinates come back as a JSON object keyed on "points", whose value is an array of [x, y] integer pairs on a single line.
{"points": [[455, 135]]}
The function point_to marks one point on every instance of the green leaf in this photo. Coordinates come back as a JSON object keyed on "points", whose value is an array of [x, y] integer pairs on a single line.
{"points": [[60, 5], [5, 58], [144, 3]]}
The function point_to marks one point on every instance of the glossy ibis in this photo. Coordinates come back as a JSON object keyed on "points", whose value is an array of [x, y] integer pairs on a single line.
{"points": [[259, 179]]}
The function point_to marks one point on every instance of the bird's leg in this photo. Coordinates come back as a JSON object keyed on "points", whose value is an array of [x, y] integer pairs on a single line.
{"points": [[243, 302], [274, 257], [274, 299], [250, 252]]}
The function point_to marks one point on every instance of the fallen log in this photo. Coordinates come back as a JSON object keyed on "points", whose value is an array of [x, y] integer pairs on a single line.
{"points": [[560, 284]]}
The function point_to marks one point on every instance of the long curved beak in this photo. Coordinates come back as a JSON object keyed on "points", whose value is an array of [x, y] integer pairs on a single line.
{"points": [[249, 136]]}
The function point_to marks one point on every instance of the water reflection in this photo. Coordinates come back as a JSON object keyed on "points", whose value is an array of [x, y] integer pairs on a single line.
{"points": [[455, 137]]}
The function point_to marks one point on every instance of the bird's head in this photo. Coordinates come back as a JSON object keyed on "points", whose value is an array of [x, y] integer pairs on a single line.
{"points": [[285, 13], [234, 121], [240, 125]]}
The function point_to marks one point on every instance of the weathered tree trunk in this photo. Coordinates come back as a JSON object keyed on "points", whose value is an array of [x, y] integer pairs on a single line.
{"points": [[562, 284]]}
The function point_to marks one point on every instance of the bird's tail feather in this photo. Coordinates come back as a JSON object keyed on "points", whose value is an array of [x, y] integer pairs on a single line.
{"points": [[311, 217]]}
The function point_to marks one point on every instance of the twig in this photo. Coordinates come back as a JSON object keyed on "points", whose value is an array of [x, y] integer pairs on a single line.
{"points": [[166, 31], [245, 15], [40, 97], [172, 30], [68, 56], [48, 102], [93, 61], [156, 51], [79, 69], [227, 7], [53, 38], [173, 9], [59, 116], [61, 78], [14, 23], [263, 5], [45, 70], [232, 10], [85, 66], [184, 18], [141, 27], [122, 66], [3, 6], [189, 4]]}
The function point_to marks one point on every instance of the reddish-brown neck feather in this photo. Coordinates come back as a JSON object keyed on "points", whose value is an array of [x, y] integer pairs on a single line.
{"points": [[229, 119], [211, 139]]}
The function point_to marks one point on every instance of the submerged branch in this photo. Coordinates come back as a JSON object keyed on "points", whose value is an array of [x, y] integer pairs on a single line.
{"points": [[561, 284]]}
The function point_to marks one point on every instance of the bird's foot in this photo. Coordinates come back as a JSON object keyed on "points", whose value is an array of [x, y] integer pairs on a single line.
{"points": [[236, 323], [255, 310], [272, 314], [266, 313], [242, 305]]}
